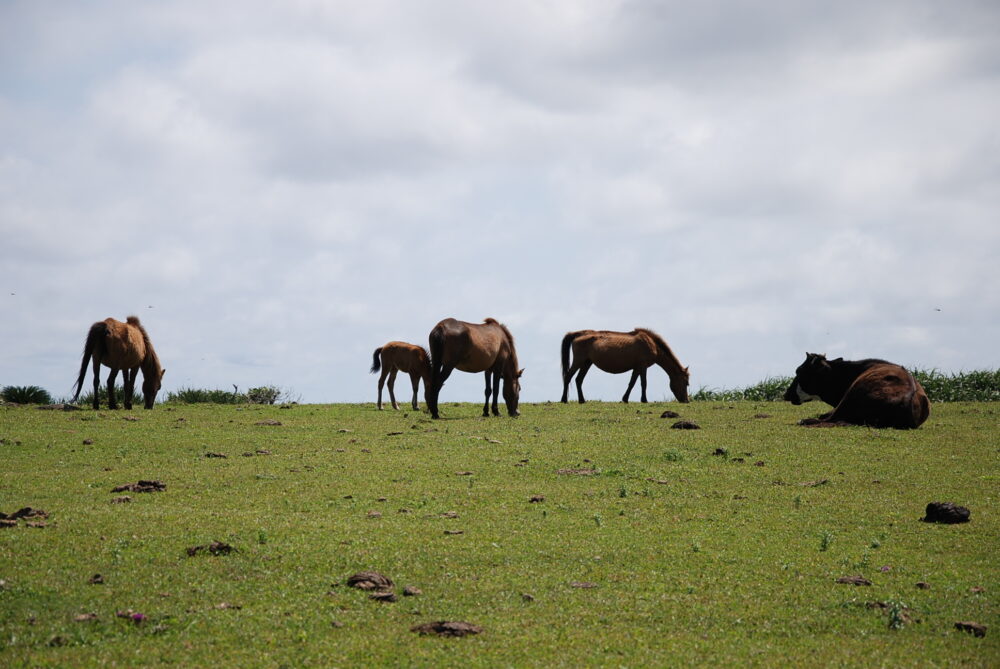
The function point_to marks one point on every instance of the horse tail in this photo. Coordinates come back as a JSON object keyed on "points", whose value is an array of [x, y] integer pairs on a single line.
{"points": [[376, 360], [95, 345], [567, 342]]}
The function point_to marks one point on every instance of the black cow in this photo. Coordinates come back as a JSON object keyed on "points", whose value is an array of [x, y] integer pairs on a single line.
{"points": [[863, 392]]}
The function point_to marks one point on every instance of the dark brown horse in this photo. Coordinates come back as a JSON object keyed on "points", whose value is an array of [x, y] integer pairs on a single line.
{"points": [[398, 356], [618, 352], [126, 347], [471, 347], [864, 392]]}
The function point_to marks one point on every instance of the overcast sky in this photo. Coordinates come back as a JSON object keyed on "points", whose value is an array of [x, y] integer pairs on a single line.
{"points": [[278, 188]]}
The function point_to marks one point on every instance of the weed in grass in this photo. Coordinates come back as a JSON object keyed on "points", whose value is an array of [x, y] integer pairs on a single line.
{"points": [[825, 539], [673, 456]]}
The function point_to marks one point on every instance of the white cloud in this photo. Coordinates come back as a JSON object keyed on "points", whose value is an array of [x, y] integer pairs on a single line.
{"points": [[290, 185]]}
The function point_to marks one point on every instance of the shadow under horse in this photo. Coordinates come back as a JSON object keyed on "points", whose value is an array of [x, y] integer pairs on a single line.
{"points": [[470, 347], [400, 356], [122, 347], [619, 352]]}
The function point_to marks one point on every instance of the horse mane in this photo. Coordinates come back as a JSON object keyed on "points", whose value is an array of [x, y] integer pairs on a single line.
{"points": [[661, 344], [508, 335], [151, 356]]}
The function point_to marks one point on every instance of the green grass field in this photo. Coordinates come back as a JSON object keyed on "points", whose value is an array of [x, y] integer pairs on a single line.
{"points": [[693, 558]]}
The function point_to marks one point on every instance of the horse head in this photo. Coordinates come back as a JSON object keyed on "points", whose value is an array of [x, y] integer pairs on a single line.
{"points": [[512, 391], [679, 385], [150, 386]]}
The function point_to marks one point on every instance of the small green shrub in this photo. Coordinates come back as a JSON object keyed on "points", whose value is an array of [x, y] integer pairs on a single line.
{"points": [[203, 396], [26, 395], [263, 395], [87, 399]]}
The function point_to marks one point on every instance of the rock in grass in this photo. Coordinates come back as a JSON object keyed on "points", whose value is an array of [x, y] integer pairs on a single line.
{"points": [[945, 512], [685, 425], [854, 580], [975, 629], [447, 628], [369, 580]]}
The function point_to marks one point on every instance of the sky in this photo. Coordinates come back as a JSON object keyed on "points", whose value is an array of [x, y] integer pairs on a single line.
{"points": [[278, 188]]}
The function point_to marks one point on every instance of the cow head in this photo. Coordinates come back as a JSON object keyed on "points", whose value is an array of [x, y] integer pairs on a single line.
{"points": [[810, 378]]}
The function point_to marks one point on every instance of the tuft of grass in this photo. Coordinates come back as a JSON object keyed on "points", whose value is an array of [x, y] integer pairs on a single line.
{"points": [[25, 395], [204, 396], [975, 386], [771, 389]]}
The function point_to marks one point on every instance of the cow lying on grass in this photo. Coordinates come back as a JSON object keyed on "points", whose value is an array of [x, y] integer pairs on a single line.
{"points": [[864, 392]]}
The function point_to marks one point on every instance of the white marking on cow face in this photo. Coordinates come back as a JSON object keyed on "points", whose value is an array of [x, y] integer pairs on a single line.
{"points": [[803, 395]]}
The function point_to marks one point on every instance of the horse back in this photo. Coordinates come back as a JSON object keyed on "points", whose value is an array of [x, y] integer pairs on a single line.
{"points": [[615, 352], [125, 345], [405, 357]]}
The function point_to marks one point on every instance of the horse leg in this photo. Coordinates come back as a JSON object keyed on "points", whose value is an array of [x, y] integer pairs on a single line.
{"points": [[97, 384], [415, 381], [438, 377], [381, 382], [496, 392], [566, 379], [584, 368], [631, 384], [392, 386], [486, 403], [128, 379], [112, 402], [642, 382]]}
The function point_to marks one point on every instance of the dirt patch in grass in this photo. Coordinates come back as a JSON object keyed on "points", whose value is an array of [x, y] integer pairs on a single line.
{"points": [[369, 580], [215, 548], [946, 512], [455, 628], [141, 486], [854, 580], [975, 629]]}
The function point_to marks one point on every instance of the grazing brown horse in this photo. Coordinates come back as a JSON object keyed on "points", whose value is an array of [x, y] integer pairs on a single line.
{"points": [[618, 352], [398, 356], [864, 392], [126, 347], [472, 347]]}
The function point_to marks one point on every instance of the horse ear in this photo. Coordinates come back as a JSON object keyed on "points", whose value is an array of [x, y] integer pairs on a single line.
{"points": [[162, 372], [520, 372]]}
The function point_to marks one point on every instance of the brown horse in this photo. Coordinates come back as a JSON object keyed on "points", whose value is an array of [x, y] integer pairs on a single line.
{"points": [[398, 356], [864, 392], [618, 352], [471, 347], [126, 347]]}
